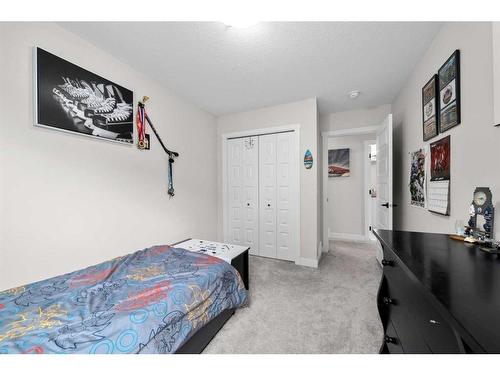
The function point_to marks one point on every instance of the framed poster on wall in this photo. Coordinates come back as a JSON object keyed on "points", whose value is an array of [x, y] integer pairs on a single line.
{"points": [[338, 163], [449, 93], [430, 108], [72, 99]]}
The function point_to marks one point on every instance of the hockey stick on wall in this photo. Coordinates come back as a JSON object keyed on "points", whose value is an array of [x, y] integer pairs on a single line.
{"points": [[142, 118]]}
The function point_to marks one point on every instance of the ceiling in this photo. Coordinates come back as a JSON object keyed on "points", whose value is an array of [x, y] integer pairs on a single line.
{"points": [[225, 70]]}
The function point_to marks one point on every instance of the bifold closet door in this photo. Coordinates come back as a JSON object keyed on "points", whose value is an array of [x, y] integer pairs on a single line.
{"points": [[243, 154], [262, 194], [286, 202], [235, 190], [251, 194], [267, 195]]}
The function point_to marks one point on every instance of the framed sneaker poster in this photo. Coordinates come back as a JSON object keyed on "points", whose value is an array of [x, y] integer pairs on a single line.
{"points": [[72, 99], [449, 93], [430, 108]]}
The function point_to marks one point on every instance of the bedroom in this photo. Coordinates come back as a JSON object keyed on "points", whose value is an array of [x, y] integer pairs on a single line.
{"points": [[124, 140]]}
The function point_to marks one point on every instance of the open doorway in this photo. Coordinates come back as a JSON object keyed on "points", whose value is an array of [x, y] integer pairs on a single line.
{"points": [[351, 186], [378, 202]]}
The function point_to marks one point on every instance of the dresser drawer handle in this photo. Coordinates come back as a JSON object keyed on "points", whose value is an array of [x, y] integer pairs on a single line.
{"points": [[390, 340], [387, 301], [386, 262]]}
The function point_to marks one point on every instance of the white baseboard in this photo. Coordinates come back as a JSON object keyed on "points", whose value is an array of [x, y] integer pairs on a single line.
{"points": [[326, 247], [347, 237], [308, 262]]}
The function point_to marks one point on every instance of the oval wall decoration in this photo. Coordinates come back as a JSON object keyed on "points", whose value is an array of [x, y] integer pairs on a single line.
{"points": [[308, 159]]}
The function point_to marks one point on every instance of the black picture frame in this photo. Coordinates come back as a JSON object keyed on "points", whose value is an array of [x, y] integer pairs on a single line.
{"points": [[430, 109], [449, 93], [72, 99]]}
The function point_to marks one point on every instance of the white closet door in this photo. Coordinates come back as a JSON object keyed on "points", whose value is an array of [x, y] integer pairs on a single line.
{"points": [[235, 190], [267, 195], [251, 194], [287, 210]]}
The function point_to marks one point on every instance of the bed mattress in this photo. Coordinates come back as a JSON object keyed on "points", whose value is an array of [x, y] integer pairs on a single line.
{"points": [[151, 301]]}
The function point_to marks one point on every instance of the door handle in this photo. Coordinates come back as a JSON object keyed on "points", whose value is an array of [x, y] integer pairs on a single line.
{"points": [[386, 205]]}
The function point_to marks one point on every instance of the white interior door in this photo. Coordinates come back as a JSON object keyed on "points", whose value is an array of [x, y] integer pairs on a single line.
{"points": [[267, 195], [235, 190], [287, 209], [251, 194], [383, 211]]}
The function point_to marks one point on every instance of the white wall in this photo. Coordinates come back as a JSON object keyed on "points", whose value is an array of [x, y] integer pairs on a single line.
{"points": [[354, 119], [474, 143], [303, 113], [346, 195], [67, 201], [496, 71]]}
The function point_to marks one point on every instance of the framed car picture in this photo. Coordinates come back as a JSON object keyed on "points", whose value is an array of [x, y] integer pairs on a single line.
{"points": [[449, 93], [430, 108], [72, 99], [338, 163]]}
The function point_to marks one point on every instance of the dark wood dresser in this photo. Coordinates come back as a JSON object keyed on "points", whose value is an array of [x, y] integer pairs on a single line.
{"points": [[438, 295]]}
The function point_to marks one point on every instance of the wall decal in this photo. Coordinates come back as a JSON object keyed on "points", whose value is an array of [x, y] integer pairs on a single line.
{"points": [[72, 99], [338, 163], [308, 159]]}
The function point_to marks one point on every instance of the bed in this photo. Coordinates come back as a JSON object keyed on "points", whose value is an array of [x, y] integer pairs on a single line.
{"points": [[158, 300]]}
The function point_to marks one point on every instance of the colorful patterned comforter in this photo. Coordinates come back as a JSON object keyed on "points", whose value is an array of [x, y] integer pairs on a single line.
{"points": [[151, 301]]}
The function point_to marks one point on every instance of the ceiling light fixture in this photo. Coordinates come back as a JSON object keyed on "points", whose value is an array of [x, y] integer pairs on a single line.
{"points": [[354, 94], [240, 23]]}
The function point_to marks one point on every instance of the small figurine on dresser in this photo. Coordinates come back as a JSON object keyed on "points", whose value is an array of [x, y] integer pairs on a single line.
{"points": [[482, 205]]}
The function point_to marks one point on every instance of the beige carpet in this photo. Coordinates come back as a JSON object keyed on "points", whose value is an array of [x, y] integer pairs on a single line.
{"points": [[295, 309]]}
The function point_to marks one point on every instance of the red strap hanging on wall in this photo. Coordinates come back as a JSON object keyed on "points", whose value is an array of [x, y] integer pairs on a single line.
{"points": [[141, 127]]}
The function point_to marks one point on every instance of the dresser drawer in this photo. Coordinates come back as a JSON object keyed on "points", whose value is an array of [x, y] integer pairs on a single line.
{"points": [[439, 336], [400, 312], [419, 325], [392, 340]]}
